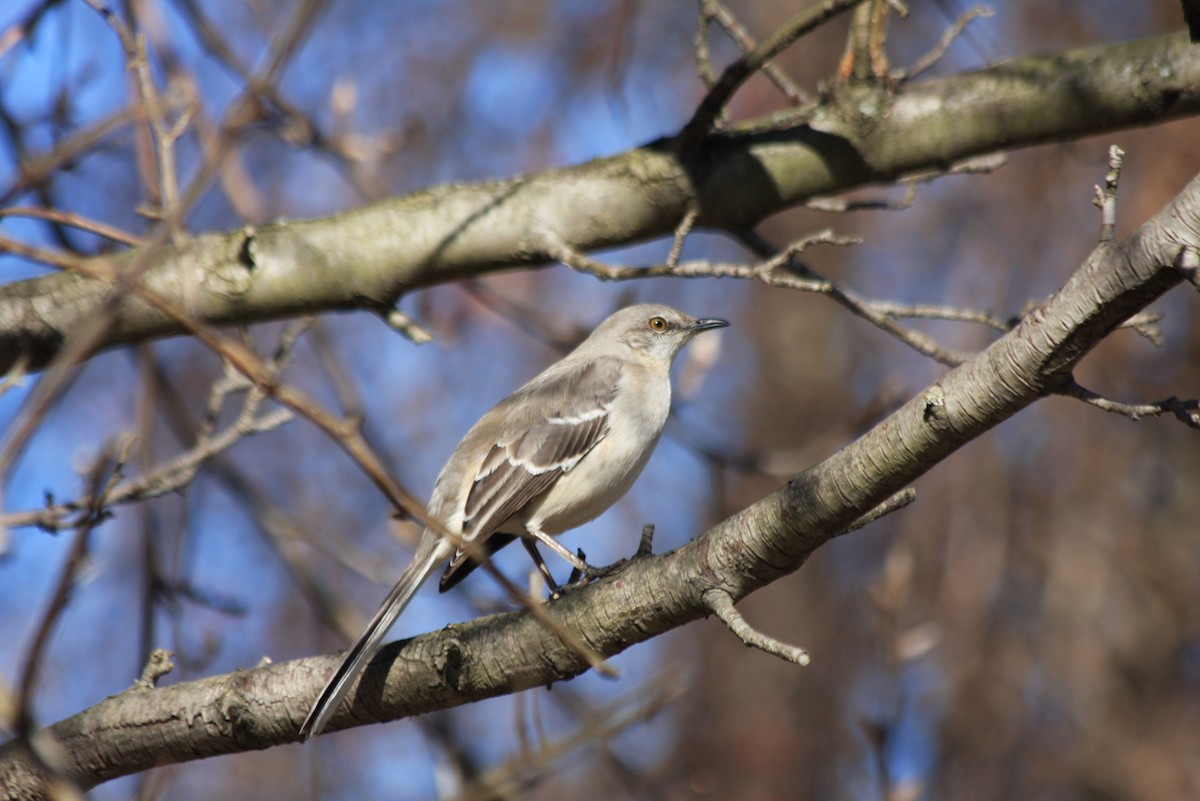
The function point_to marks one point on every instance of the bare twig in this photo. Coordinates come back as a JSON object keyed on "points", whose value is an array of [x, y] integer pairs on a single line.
{"points": [[721, 604], [1105, 198], [736, 73], [1145, 325], [953, 32], [646, 543], [895, 503], [951, 313], [1186, 411], [158, 665], [859, 306], [703, 56], [778, 269], [508, 779], [842, 205], [717, 12], [99, 477], [681, 232], [75, 221], [167, 477], [407, 327], [34, 171]]}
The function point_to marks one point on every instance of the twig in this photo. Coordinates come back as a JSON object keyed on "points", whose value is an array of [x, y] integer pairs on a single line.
{"points": [[1145, 325], [721, 604], [681, 232], [407, 327], [1186, 411], [99, 476], [167, 477], [842, 205], [703, 57], [75, 221], [953, 32], [896, 502], [736, 73], [717, 12], [950, 313], [778, 269], [164, 134], [860, 306], [1106, 199], [89, 334], [512, 776], [646, 543], [158, 665], [35, 170]]}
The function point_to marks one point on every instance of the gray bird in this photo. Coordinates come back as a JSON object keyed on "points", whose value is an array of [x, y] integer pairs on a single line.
{"points": [[546, 459]]}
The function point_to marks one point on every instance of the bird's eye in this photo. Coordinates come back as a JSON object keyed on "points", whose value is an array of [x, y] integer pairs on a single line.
{"points": [[658, 324]]}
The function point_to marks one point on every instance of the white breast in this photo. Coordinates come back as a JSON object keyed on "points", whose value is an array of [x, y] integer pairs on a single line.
{"points": [[606, 473]]}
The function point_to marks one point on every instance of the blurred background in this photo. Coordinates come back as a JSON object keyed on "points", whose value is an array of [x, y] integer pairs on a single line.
{"points": [[1030, 628]]}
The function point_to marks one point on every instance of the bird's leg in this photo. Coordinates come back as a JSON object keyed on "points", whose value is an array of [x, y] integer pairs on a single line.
{"points": [[571, 559], [531, 547], [576, 575]]}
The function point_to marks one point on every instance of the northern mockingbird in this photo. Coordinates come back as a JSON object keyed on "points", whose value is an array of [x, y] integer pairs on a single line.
{"points": [[550, 457]]}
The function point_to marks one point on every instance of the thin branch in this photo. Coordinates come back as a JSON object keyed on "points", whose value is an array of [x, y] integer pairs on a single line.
{"points": [[512, 776], [739, 71], [843, 205], [75, 221], [100, 476], [778, 269], [35, 171], [703, 56], [646, 543], [681, 232], [721, 604], [407, 327], [858, 306], [898, 501], [716, 11], [953, 32], [1186, 411], [1105, 198], [167, 477], [950, 313], [158, 665]]}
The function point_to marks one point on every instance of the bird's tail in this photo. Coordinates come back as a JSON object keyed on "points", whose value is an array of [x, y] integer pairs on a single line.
{"points": [[330, 699]]}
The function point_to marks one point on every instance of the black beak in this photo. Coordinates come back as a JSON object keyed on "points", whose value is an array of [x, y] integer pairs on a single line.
{"points": [[704, 325]]}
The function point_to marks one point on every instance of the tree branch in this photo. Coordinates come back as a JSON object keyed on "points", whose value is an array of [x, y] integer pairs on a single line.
{"points": [[370, 257]]}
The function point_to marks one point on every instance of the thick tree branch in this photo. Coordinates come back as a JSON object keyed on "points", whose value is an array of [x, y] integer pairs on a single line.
{"points": [[505, 653], [370, 257]]}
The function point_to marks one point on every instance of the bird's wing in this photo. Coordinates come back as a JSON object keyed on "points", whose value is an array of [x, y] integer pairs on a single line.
{"points": [[548, 426]]}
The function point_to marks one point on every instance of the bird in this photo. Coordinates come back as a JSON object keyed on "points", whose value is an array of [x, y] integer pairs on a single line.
{"points": [[550, 457]]}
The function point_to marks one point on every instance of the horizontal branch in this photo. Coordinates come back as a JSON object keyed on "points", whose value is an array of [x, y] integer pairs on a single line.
{"points": [[502, 654], [370, 257]]}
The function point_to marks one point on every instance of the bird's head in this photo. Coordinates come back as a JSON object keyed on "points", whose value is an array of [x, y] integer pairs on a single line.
{"points": [[652, 329]]}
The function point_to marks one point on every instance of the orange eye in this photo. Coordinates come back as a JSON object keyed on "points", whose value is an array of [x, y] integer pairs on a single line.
{"points": [[658, 324]]}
